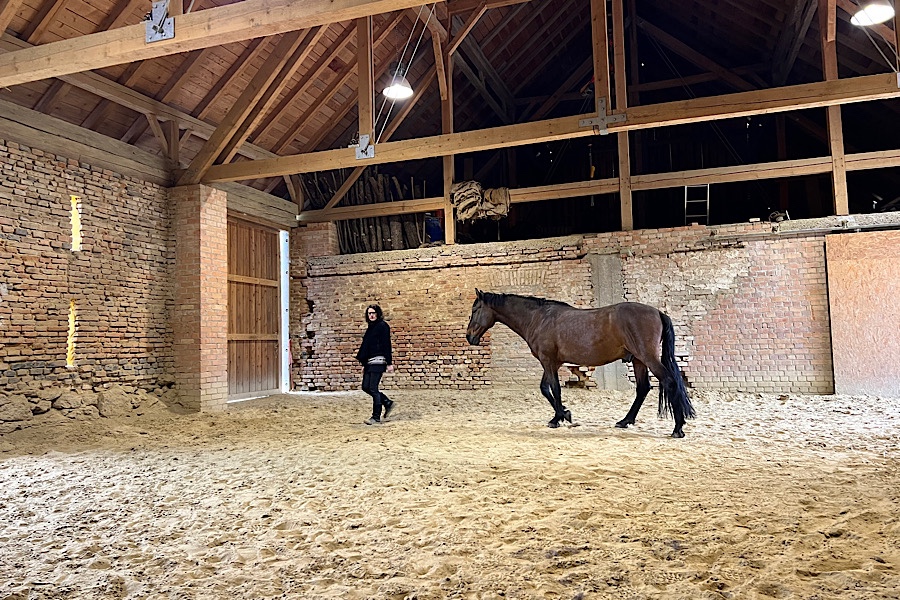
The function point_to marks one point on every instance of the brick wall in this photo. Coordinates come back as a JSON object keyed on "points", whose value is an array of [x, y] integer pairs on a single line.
{"points": [[749, 306], [120, 280]]}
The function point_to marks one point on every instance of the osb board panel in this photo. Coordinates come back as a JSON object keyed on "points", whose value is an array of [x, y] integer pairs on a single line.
{"points": [[864, 298]]}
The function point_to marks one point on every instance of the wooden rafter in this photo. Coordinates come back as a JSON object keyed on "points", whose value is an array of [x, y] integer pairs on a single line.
{"points": [[466, 28], [253, 49], [474, 55], [463, 6], [191, 63], [120, 16], [201, 29], [341, 79], [247, 105], [550, 49], [281, 80], [124, 96], [790, 39], [45, 17], [770, 101], [315, 73], [127, 79], [58, 89], [8, 10], [701, 60]]}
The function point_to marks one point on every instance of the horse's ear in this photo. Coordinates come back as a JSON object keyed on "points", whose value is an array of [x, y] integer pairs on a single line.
{"points": [[479, 294]]}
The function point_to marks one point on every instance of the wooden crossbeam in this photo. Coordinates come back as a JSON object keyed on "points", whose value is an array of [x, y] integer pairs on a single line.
{"points": [[201, 29], [751, 172], [809, 95]]}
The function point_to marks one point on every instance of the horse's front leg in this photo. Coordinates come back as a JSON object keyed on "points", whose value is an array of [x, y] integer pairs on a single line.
{"points": [[551, 390]]}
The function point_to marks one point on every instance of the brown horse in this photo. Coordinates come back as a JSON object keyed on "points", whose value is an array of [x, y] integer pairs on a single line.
{"points": [[558, 333]]}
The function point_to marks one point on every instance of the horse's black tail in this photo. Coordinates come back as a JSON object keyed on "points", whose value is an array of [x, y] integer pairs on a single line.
{"points": [[673, 396]]}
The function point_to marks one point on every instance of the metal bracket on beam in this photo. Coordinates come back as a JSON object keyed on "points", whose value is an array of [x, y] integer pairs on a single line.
{"points": [[159, 25], [600, 122], [364, 149]]}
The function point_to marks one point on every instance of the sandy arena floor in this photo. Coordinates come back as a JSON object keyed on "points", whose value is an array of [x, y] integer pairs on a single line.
{"points": [[459, 495]]}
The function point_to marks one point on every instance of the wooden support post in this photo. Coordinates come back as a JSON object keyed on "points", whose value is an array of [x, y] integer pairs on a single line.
{"points": [[366, 78], [600, 38], [626, 205], [447, 127], [840, 203]]}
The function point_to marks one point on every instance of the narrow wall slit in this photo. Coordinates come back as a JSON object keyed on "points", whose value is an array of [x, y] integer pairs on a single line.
{"points": [[76, 222], [70, 339]]}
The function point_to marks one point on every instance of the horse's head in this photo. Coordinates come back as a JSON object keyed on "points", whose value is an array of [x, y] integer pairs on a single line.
{"points": [[482, 319]]}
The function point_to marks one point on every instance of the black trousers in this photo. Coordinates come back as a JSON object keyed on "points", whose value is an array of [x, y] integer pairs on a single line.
{"points": [[371, 379]]}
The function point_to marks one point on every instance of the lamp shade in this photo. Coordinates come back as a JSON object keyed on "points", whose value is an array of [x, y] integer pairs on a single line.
{"points": [[872, 13], [399, 89]]}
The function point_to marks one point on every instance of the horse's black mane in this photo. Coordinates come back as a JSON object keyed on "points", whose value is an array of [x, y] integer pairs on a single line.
{"points": [[498, 300]]}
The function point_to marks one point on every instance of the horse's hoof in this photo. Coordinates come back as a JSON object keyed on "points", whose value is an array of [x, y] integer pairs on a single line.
{"points": [[568, 416], [623, 424], [553, 424], [678, 434]]}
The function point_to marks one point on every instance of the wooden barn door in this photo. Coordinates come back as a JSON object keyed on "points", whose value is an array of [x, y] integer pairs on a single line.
{"points": [[254, 359]]}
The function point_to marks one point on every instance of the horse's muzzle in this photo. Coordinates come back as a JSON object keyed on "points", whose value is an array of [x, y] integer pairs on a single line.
{"points": [[473, 339]]}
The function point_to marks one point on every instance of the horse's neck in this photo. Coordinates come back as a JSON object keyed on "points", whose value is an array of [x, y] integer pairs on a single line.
{"points": [[517, 317]]}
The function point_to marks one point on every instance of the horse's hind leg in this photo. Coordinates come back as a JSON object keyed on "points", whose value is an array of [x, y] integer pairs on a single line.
{"points": [[642, 378], [668, 389]]}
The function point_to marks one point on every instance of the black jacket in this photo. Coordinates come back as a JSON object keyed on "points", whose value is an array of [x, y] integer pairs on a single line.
{"points": [[376, 342]]}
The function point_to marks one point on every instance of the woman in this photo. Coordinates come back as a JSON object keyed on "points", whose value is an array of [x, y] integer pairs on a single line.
{"points": [[375, 356]]}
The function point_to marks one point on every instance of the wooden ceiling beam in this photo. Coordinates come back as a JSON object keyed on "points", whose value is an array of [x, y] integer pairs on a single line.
{"points": [[685, 51], [314, 74], [810, 95], [341, 79], [129, 98], [474, 55], [752, 172], [37, 27], [284, 76], [57, 91], [466, 28], [8, 10], [201, 29], [127, 79], [455, 7], [172, 86], [790, 38], [253, 49], [247, 105]]}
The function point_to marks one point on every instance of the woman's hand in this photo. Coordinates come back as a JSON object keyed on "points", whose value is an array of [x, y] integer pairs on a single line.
{"points": [[390, 368]]}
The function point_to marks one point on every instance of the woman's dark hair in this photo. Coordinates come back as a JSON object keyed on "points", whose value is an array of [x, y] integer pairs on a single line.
{"points": [[377, 310]]}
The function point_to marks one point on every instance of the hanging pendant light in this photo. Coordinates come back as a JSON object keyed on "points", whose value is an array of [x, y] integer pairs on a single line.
{"points": [[399, 88], [873, 13]]}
